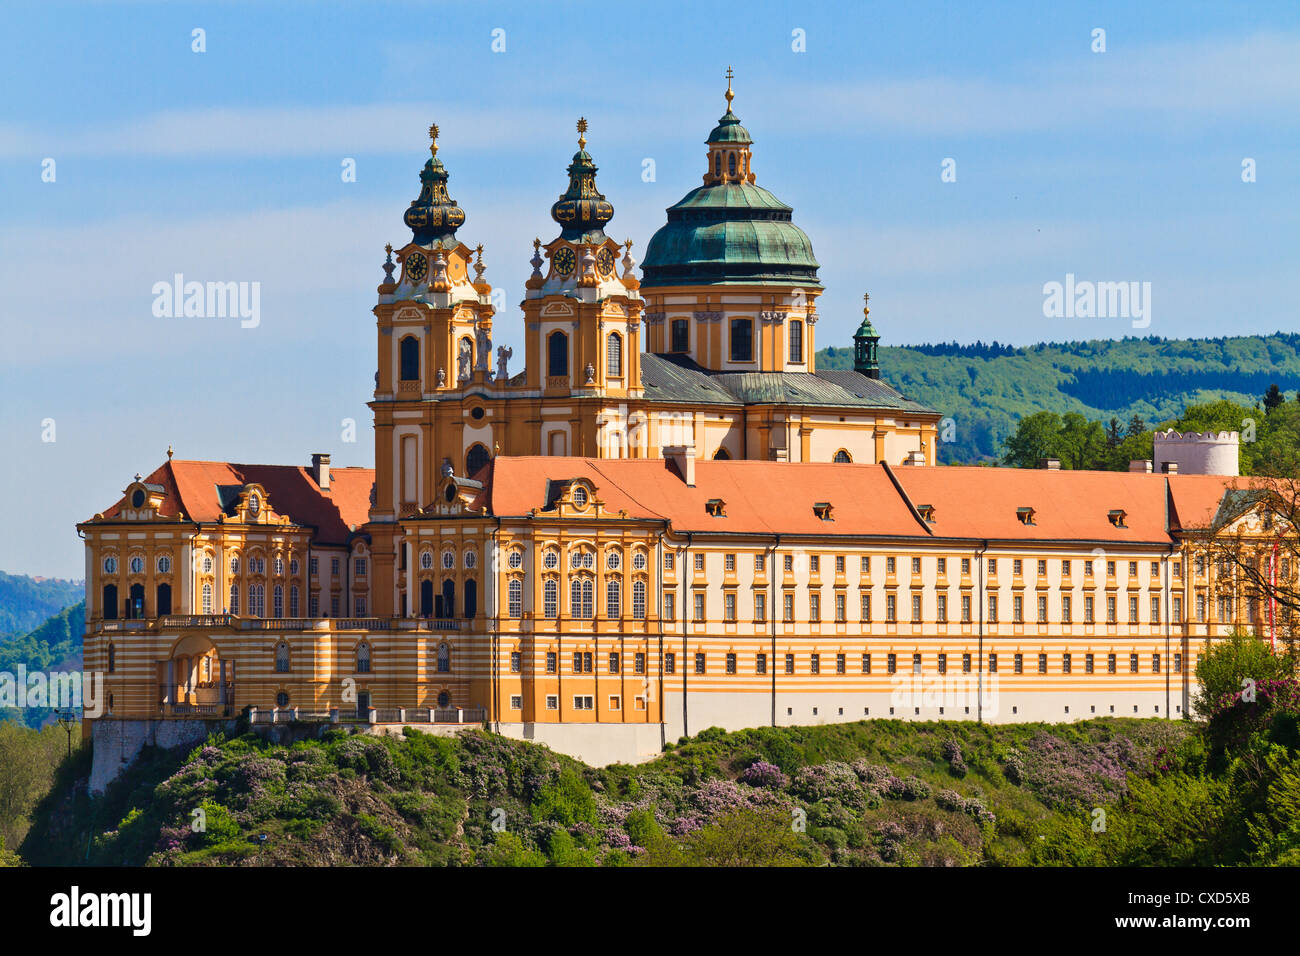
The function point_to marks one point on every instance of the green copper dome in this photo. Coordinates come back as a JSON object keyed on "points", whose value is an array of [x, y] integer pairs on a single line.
{"points": [[730, 231], [581, 210], [433, 216]]}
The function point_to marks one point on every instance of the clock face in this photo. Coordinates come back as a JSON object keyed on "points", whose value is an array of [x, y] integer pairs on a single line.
{"points": [[417, 267], [605, 261], [563, 261]]}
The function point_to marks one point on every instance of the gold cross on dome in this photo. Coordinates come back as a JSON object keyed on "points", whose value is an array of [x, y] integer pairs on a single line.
{"points": [[866, 301], [729, 94]]}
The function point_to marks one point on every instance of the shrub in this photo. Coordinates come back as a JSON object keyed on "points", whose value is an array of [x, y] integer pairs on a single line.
{"points": [[763, 774]]}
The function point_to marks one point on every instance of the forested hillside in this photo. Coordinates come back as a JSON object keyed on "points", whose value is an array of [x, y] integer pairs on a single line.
{"points": [[26, 603], [987, 388]]}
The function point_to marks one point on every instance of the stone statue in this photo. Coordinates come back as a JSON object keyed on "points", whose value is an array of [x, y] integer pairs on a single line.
{"points": [[484, 343], [503, 356], [462, 361]]}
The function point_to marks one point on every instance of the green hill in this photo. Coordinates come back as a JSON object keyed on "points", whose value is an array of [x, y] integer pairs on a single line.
{"points": [[26, 603], [55, 645], [987, 388]]}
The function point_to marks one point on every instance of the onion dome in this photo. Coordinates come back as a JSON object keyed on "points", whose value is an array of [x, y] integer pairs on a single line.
{"points": [[433, 216], [581, 211], [730, 231]]}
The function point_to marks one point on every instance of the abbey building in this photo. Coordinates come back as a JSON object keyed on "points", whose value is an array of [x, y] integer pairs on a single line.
{"points": [[664, 518]]}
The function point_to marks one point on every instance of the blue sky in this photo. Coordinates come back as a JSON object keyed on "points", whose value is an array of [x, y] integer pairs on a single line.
{"points": [[225, 165]]}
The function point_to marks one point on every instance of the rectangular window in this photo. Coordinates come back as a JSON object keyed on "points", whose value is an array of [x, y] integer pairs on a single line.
{"points": [[916, 663], [615, 702], [993, 609], [1200, 608], [1132, 663], [965, 565], [815, 564], [614, 662], [1017, 609], [313, 605], [516, 702], [993, 566], [1178, 570], [1155, 663], [942, 566], [796, 341], [889, 565], [1132, 569], [1087, 569], [1178, 663], [550, 662], [993, 663], [916, 565], [582, 703], [699, 562], [788, 562], [866, 607], [1133, 610], [1088, 610], [729, 606], [787, 606], [1017, 567], [839, 607], [516, 662], [1065, 663], [941, 608], [916, 607], [840, 665], [891, 663], [839, 564], [759, 563], [1110, 609], [866, 564], [1066, 613], [639, 663], [1042, 663], [1018, 663], [866, 663], [965, 608], [670, 607], [699, 663], [1155, 569], [731, 663], [334, 605], [1110, 663], [1178, 610], [1110, 569], [729, 562], [552, 702], [891, 607], [1065, 569], [943, 663], [1042, 609], [334, 566], [760, 607], [789, 663], [699, 605], [965, 663], [742, 340], [815, 664], [760, 664], [681, 335], [313, 567], [668, 561], [1155, 609], [670, 663], [1042, 567], [359, 567], [1089, 662], [814, 606]]}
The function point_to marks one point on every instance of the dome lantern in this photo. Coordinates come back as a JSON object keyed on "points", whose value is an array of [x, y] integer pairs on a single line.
{"points": [[434, 217], [581, 210]]}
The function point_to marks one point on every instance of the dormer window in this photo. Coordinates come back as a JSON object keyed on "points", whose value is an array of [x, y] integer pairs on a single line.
{"points": [[137, 498], [579, 496], [1025, 515], [926, 512], [254, 504], [716, 507], [822, 509], [1117, 517]]}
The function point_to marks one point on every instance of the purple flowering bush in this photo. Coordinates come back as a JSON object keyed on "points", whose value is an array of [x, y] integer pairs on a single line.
{"points": [[763, 774]]}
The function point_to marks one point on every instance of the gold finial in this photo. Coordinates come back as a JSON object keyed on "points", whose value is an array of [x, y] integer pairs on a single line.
{"points": [[169, 451], [627, 244], [866, 299], [478, 263], [388, 248], [582, 129], [537, 244], [730, 95], [433, 139]]}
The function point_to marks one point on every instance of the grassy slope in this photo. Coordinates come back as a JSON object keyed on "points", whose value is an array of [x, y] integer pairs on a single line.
{"points": [[429, 800], [1150, 377], [26, 603]]}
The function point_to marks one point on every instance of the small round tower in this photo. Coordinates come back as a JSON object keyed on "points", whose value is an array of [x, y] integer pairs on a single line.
{"points": [[1198, 453]]}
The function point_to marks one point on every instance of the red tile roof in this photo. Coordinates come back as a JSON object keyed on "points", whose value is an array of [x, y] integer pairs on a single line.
{"points": [[1196, 498], [194, 488]]}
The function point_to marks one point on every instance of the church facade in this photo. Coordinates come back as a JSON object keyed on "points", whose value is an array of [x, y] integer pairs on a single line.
{"points": [[668, 519]]}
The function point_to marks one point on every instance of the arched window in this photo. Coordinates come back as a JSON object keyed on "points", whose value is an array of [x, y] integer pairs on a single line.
{"points": [[234, 599], [163, 598], [550, 599], [638, 600], [717, 164], [557, 354], [444, 659], [293, 600], [108, 610], [796, 340], [843, 457], [282, 658], [257, 600], [614, 355], [681, 336], [581, 593], [613, 598], [409, 348], [363, 658], [515, 598], [426, 598], [447, 599], [135, 603], [471, 598], [731, 164], [112, 658], [206, 606], [742, 340], [475, 459], [277, 601]]}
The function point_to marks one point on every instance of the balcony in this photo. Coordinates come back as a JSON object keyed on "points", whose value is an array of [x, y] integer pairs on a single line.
{"points": [[236, 623], [464, 716]]}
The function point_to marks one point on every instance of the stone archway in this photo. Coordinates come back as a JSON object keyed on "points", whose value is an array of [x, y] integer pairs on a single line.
{"points": [[195, 680]]}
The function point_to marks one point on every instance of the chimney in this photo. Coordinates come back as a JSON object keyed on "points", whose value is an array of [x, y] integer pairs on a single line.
{"points": [[1050, 464], [915, 458], [320, 470], [683, 459], [1169, 467], [1141, 465]]}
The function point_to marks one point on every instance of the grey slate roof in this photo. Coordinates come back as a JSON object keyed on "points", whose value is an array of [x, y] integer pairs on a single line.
{"points": [[677, 378]]}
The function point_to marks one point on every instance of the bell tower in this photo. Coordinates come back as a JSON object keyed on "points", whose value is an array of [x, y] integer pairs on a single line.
{"points": [[866, 340], [583, 319]]}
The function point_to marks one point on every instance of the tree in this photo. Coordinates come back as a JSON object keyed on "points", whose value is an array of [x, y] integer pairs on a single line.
{"points": [[1227, 663], [1036, 436], [1273, 398], [746, 838]]}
